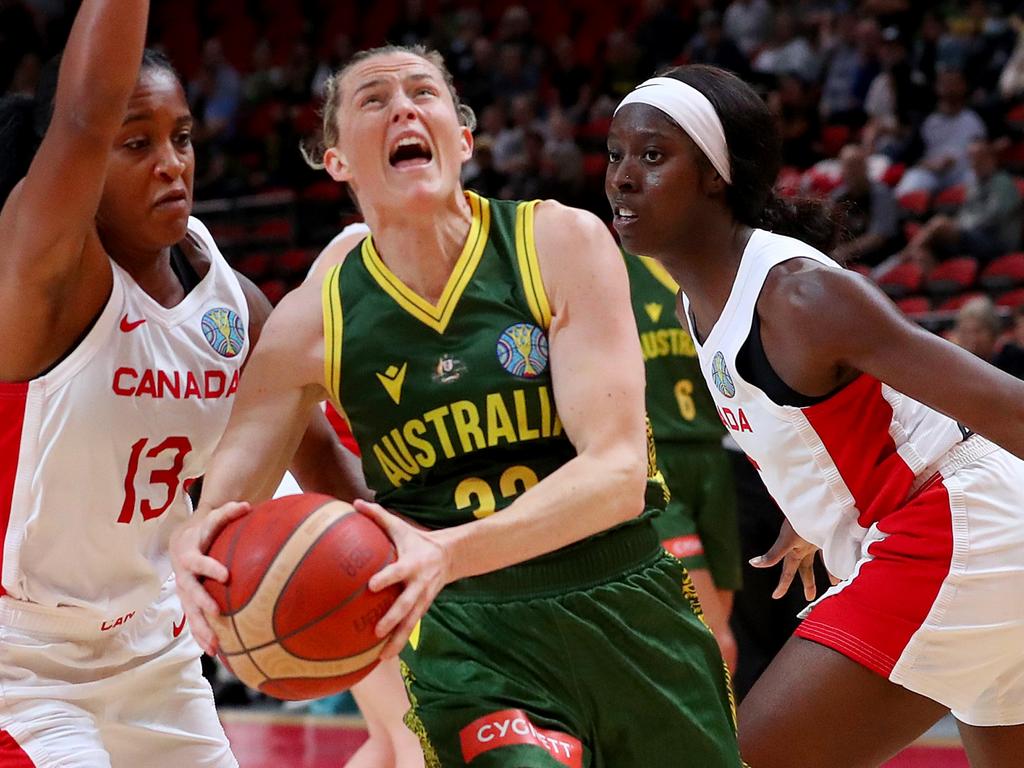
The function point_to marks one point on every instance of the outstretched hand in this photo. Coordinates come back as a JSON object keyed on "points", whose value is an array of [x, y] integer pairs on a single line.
{"points": [[188, 546], [422, 566], [796, 555]]}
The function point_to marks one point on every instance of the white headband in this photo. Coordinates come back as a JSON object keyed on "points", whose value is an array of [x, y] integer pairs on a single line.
{"points": [[691, 111]]}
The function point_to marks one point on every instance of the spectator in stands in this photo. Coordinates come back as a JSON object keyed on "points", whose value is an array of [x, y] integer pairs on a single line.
{"points": [[660, 34], [570, 79], [894, 104], [215, 95], [480, 175], [412, 26], [872, 214], [746, 23], [851, 67], [794, 107], [711, 46], [788, 52], [621, 64], [946, 133], [1011, 357], [977, 327], [986, 225], [1011, 79]]}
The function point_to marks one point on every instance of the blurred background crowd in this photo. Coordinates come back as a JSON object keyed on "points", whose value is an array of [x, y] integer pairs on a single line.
{"points": [[907, 115]]}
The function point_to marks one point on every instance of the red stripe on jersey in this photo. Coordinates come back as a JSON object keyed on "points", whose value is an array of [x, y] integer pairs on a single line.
{"points": [[12, 417], [11, 753], [873, 618], [853, 425], [341, 428]]}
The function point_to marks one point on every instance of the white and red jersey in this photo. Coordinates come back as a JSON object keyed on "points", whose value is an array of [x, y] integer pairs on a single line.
{"points": [[95, 455], [839, 466]]}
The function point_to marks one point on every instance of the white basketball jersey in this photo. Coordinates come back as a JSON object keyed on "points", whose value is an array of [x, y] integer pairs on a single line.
{"points": [[96, 454], [839, 466]]}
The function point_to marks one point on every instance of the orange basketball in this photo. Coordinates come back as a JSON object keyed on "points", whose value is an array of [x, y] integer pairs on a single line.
{"points": [[297, 618]]}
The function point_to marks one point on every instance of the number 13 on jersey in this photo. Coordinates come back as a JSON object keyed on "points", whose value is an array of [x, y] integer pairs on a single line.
{"points": [[165, 470]]}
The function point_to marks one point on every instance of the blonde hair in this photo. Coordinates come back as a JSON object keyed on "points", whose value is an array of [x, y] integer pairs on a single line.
{"points": [[313, 150]]}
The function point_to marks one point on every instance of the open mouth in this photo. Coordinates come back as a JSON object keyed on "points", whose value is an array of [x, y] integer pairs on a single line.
{"points": [[410, 152], [622, 213]]}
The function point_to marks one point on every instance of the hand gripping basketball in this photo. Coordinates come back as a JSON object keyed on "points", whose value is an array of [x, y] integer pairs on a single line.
{"points": [[295, 618]]}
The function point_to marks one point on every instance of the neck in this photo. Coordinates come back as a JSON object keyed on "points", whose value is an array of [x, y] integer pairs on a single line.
{"points": [[152, 272], [421, 247], [705, 262]]}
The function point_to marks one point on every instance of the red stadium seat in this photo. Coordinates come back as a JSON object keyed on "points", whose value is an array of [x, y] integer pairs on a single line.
{"points": [[255, 266], [834, 138], [894, 173], [325, 191], [1011, 299], [952, 276], [914, 305], [948, 200], [1020, 185], [953, 303], [1005, 272], [296, 261], [274, 229], [860, 269], [902, 280], [915, 203]]}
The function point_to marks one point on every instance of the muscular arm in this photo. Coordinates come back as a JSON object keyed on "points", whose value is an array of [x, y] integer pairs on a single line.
{"points": [[320, 463], [598, 381], [846, 326], [46, 272]]}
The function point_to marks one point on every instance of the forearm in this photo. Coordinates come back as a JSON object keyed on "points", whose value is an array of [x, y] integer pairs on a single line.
{"points": [[101, 62], [585, 496]]}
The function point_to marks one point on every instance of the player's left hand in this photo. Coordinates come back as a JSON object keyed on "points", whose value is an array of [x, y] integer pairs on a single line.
{"points": [[796, 555], [422, 566]]}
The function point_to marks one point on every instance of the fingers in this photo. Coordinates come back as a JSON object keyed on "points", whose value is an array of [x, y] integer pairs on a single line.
{"points": [[391, 524], [789, 569], [218, 518], [783, 544], [385, 577], [807, 577]]}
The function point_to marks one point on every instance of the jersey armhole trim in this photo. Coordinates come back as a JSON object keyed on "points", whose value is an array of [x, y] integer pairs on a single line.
{"points": [[333, 328], [529, 265]]}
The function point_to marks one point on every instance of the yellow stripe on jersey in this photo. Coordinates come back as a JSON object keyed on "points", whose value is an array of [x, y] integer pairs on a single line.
{"points": [[660, 273], [529, 266], [333, 323], [436, 317]]}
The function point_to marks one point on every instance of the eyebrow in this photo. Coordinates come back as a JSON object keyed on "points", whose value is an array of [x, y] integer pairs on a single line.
{"points": [[415, 77], [136, 117]]}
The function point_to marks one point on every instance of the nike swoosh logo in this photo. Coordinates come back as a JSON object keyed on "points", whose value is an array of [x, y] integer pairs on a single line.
{"points": [[128, 327], [177, 628]]}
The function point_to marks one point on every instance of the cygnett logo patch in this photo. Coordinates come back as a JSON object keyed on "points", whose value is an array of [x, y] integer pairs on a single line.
{"points": [[512, 726]]}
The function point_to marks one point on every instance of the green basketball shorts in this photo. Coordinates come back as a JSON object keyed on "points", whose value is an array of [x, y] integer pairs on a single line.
{"points": [[699, 524], [592, 657]]}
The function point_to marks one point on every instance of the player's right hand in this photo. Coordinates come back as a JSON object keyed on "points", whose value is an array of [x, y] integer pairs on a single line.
{"points": [[188, 547]]}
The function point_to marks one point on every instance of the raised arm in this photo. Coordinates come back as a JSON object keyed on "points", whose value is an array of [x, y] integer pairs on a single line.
{"points": [[847, 322], [601, 406], [51, 284], [46, 219]]}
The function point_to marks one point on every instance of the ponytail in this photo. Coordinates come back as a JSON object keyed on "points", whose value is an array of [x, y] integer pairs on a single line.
{"points": [[819, 223]]}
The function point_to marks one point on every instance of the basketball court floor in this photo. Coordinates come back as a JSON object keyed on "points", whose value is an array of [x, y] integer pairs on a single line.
{"points": [[270, 739]]}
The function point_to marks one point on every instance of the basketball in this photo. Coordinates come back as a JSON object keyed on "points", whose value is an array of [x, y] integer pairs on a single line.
{"points": [[297, 618]]}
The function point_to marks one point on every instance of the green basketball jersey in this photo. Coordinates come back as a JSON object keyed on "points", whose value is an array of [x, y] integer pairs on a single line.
{"points": [[451, 404], [678, 403]]}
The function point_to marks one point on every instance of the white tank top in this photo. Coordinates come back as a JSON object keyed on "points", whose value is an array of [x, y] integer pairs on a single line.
{"points": [[836, 467], [96, 454]]}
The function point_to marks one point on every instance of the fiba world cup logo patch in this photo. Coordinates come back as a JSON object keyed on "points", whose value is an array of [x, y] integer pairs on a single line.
{"points": [[720, 375], [523, 350], [223, 328]]}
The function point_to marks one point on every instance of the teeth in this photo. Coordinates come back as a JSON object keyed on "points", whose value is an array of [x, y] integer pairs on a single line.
{"points": [[625, 212], [410, 141]]}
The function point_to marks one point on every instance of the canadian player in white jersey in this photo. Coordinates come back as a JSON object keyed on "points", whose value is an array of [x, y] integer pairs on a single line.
{"points": [[123, 338], [872, 435]]}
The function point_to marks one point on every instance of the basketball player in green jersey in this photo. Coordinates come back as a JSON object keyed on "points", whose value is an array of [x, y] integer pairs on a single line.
{"points": [[699, 523], [486, 358]]}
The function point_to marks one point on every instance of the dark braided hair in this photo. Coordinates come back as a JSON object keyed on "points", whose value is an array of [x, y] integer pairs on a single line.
{"points": [[755, 158], [24, 120]]}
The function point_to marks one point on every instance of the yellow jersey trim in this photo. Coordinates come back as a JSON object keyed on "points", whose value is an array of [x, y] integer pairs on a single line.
{"points": [[529, 265], [660, 273], [436, 316], [333, 326]]}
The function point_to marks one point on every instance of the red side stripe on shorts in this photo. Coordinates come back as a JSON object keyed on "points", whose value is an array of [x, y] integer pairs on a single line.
{"points": [[874, 617], [11, 753], [341, 428], [854, 426], [12, 417]]}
